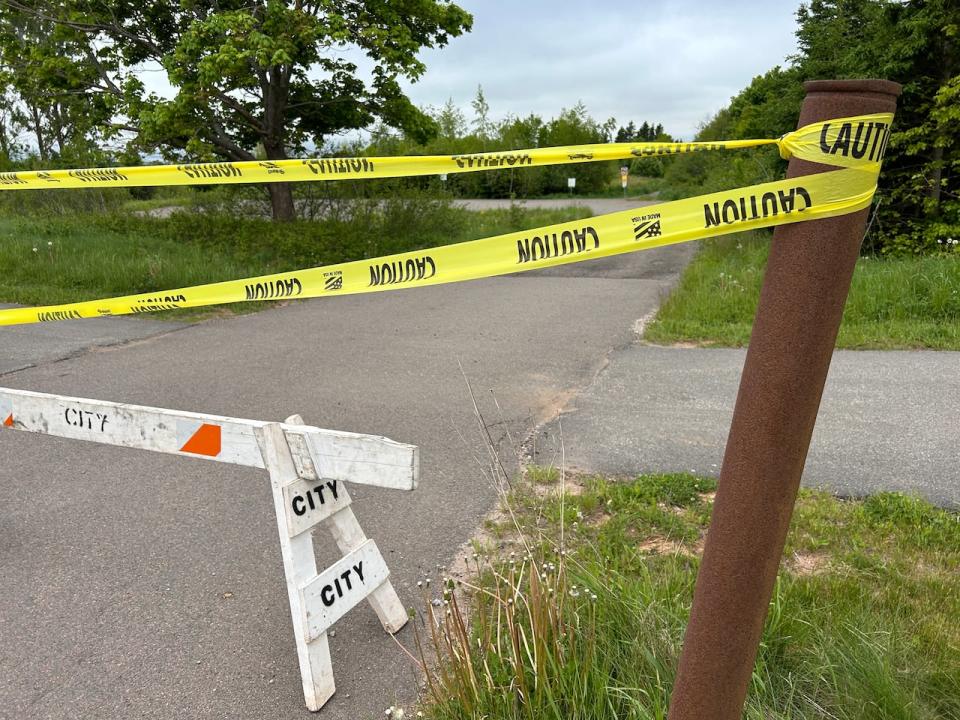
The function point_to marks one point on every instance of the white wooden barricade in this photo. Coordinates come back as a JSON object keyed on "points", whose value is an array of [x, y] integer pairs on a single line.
{"points": [[308, 467]]}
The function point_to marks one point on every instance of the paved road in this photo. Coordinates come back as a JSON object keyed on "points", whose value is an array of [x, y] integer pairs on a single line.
{"points": [[115, 563], [888, 419], [25, 346], [597, 205]]}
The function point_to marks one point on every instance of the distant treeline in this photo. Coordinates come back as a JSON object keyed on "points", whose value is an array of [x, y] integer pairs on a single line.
{"points": [[459, 135]]}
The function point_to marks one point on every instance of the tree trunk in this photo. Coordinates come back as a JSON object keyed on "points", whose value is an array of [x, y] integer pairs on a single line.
{"points": [[281, 194], [4, 141], [38, 132], [935, 181], [946, 72], [281, 202]]}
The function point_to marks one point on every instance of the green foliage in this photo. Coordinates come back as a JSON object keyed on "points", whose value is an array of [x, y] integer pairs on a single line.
{"points": [[572, 126], [268, 75], [898, 513], [913, 43], [82, 249], [49, 93]]}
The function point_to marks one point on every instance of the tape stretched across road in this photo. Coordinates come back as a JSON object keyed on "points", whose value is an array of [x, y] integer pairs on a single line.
{"points": [[854, 145]]}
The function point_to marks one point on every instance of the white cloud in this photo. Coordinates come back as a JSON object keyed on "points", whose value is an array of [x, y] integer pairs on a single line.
{"points": [[675, 63], [670, 62]]}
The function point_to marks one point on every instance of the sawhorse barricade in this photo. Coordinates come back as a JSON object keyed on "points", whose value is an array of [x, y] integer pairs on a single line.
{"points": [[307, 468]]}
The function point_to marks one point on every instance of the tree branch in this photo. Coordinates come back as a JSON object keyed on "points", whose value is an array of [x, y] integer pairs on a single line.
{"points": [[220, 138], [252, 120]]}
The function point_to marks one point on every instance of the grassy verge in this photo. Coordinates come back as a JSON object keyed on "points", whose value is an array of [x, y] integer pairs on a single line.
{"points": [[64, 258], [908, 302], [638, 188], [581, 613]]}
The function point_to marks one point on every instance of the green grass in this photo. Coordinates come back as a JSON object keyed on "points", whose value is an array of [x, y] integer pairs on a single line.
{"points": [[894, 302], [862, 625], [638, 188], [64, 258]]}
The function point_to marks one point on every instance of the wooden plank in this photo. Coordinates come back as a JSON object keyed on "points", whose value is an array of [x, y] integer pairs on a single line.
{"points": [[368, 460], [351, 457], [331, 594], [349, 536], [299, 566], [309, 502]]}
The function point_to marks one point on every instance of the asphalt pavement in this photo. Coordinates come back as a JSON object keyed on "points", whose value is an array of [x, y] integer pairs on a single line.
{"points": [[26, 346], [150, 586], [888, 420]]}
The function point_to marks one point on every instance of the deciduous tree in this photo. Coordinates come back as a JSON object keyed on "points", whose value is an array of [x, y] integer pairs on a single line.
{"points": [[249, 74]]}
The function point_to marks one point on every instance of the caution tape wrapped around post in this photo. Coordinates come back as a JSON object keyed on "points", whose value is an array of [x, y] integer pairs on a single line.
{"points": [[854, 145]]}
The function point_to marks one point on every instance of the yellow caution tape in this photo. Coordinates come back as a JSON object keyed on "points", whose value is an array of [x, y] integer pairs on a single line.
{"points": [[854, 144], [805, 142]]}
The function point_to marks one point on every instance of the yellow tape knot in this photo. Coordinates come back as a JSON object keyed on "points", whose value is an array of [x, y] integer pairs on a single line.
{"points": [[783, 145]]}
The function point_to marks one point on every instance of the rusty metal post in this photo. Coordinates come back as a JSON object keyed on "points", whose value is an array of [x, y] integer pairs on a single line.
{"points": [[804, 290]]}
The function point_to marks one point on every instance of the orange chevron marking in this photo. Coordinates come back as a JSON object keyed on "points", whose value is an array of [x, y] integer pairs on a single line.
{"points": [[205, 441], [9, 421]]}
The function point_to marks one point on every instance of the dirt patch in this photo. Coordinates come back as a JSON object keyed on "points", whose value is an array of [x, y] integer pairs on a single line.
{"points": [[664, 546], [808, 563]]}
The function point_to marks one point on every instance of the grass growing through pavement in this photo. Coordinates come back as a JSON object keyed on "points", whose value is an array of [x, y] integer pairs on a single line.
{"points": [[63, 258], [582, 616], [903, 302]]}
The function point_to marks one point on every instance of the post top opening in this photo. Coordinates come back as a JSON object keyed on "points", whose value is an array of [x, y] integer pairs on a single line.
{"points": [[882, 87]]}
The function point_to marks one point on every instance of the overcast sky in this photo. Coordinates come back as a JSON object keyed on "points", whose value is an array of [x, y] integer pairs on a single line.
{"points": [[674, 62]]}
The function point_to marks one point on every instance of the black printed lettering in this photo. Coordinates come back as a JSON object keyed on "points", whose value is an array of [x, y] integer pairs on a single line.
{"points": [[341, 585], [11, 178], [315, 497], [747, 207], [674, 149], [326, 595], [402, 271], [337, 166], [492, 160], [842, 143], [858, 150], [98, 175], [553, 245], [54, 315], [85, 419], [274, 289], [210, 170]]}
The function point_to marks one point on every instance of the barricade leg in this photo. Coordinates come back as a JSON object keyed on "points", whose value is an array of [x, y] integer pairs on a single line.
{"points": [[299, 566], [349, 536]]}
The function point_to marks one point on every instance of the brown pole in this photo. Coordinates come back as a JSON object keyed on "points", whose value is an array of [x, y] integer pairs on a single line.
{"points": [[801, 303]]}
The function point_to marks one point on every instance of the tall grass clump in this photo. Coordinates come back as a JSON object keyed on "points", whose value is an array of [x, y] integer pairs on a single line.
{"points": [[576, 608]]}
